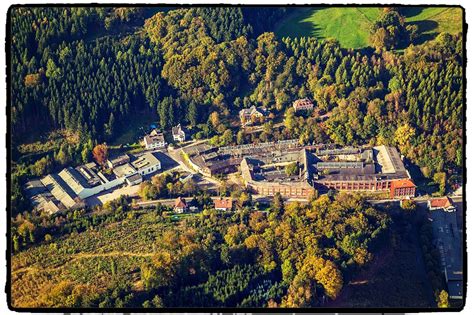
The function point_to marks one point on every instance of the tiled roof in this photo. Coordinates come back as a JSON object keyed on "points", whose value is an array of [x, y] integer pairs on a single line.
{"points": [[223, 203], [403, 183], [440, 202], [180, 203]]}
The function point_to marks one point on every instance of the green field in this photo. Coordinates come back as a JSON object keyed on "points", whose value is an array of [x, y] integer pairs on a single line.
{"points": [[351, 26], [432, 21]]}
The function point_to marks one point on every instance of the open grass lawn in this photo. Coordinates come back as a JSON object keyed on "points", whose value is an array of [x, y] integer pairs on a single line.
{"points": [[351, 26], [432, 21], [348, 25]]}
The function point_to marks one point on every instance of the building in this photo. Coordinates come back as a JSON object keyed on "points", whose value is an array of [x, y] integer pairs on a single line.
{"points": [[223, 204], [134, 179], [180, 205], [61, 193], [402, 188], [252, 114], [447, 238], [119, 160], [322, 168], [178, 133], [69, 188], [265, 175], [303, 104], [146, 164], [443, 203], [377, 169], [155, 140]]}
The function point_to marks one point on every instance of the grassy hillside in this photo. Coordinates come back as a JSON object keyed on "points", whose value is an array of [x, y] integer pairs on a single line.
{"points": [[351, 26], [432, 21], [348, 25]]}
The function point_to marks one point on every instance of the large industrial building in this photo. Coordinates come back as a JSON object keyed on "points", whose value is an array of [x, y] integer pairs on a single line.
{"points": [[377, 169], [361, 169], [70, 187], [266, 175]]}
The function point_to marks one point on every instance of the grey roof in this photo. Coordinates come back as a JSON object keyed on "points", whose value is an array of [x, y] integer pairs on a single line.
{"points": [[154, 137], [74, 180], [121, 159], [177, 130], [342, 151], [447, 239], [124, 170], [59, 189], [89, 174], [389, 159], [134, 177], [34, 187], [339, 165]]}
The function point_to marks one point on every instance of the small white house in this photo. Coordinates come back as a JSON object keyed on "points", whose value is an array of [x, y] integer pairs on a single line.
{"points": [[180, 205], [178, 133], [223, 204]]}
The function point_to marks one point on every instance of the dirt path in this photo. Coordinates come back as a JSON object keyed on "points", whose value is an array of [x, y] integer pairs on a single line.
{"points": [[111, 254]]}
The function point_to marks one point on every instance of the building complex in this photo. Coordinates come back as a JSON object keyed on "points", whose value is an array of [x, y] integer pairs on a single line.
{"points": [[70, 187]]}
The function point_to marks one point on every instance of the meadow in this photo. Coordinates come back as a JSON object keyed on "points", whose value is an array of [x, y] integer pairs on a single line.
{"points": [[351, 26]]}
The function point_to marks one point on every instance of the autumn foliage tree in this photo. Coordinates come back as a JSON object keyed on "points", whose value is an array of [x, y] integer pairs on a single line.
{"points": [[100, 153]]}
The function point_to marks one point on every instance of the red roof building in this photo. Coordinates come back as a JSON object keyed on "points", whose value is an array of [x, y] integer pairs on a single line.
{"points": [[443, 203], [180, 205], [402, 188], [224, 204], [303, 104]]}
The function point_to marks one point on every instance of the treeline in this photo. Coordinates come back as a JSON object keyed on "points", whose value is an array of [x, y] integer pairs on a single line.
{"points": [[292, 256]]}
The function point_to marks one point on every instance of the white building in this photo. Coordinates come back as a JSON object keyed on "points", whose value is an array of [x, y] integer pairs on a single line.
{"points": [[178, 133], [154, 140], [146, 164], [69, 188]]}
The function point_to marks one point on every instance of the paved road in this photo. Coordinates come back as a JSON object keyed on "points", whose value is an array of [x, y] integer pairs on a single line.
{"points": [[176, 154]]}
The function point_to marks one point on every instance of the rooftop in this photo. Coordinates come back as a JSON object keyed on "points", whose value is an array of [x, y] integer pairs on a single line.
{"points": [[225, 203], [154, 137], [403, 183], [180, 203], [121, 159], [124, 170], [389, 159], [145, 160], [177, 130], [443, 202], [59, 189], [448, 241]]}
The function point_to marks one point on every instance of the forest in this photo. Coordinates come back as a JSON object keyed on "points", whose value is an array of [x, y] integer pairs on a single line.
{"points": [[289, 256]]}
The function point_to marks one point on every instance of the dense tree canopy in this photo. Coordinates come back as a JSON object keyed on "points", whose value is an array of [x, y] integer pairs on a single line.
{"points": [[292, 256]]}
